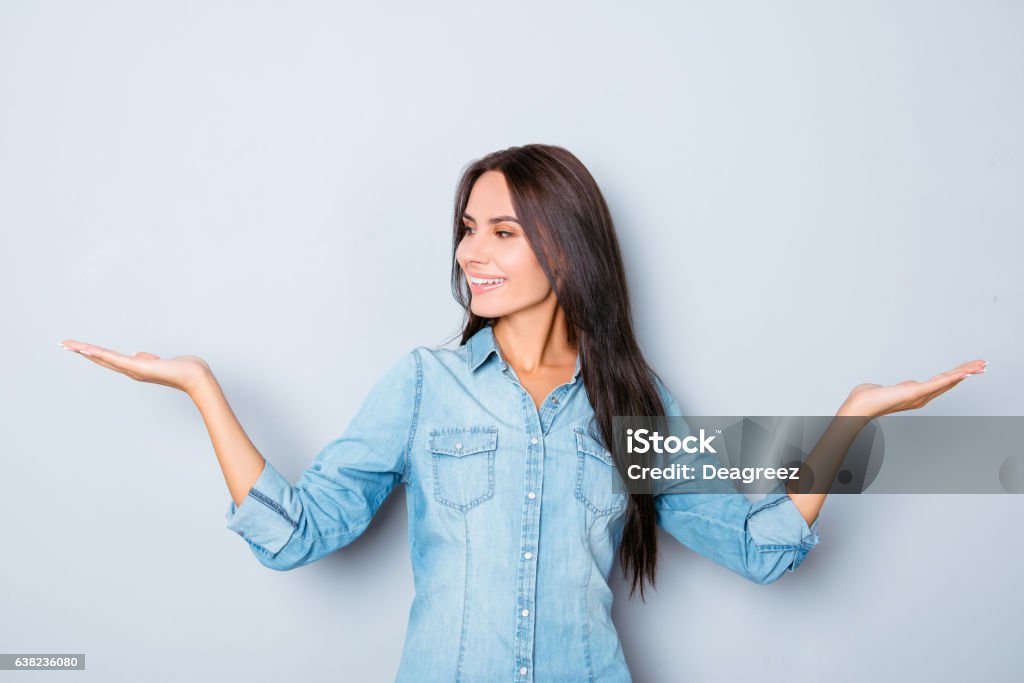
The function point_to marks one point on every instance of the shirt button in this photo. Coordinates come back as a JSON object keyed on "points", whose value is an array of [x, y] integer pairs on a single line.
{"points": [[534, 440], [526, 612], [458, 445], [554, 399], [528, 555], [531, 495], [522, 671]]}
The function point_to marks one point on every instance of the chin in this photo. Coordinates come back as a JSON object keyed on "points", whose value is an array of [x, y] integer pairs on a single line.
{"points": [[496, 309], [493, 312]]}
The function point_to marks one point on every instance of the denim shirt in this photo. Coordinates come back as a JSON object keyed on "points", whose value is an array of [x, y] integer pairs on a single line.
{"points": [[513, 519]]}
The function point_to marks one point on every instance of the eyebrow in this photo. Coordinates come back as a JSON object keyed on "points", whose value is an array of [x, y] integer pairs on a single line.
{"points": [[495, 220]]}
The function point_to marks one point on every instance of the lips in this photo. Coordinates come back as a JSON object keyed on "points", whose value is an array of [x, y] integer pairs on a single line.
{"points": [[483, 288]]}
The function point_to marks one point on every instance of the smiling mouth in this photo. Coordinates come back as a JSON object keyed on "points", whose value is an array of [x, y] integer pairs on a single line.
{"points": [[480, 285]]}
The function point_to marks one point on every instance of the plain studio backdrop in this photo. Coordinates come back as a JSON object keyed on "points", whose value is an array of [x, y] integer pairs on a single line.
{"points": [[808, 195]]}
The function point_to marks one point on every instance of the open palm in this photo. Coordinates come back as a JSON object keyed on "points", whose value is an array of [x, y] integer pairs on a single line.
{"points": [[180, 372], [876, 400]]}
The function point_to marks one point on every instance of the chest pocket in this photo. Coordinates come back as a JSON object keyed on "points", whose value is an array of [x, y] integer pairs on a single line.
{"points": [[463, 463], [598, 484]]}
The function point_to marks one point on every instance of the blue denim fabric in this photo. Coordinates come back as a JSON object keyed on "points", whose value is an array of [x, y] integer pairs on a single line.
{"points": [[513, 519]]}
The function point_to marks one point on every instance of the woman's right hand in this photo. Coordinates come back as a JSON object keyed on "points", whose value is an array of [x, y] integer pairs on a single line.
{"points": [[181, 372]]}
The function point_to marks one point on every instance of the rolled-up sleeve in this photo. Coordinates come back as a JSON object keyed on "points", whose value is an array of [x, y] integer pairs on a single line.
{"points": [[759, 540], [335, 498]]}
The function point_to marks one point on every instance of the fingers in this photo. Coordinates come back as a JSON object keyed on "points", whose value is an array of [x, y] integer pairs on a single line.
{"points": [[105, 364], [950, 377], [945, 386], [971, 367], [924, 400], [78, 347], [108, 358], [92, 351], [918, 394]]}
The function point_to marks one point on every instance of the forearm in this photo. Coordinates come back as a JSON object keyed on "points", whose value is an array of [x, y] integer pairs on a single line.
{"points": [[239, 460], [826, 458]]}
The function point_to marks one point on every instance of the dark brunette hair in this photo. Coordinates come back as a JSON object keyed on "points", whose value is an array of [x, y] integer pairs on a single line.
{"points": [[568, 225]]}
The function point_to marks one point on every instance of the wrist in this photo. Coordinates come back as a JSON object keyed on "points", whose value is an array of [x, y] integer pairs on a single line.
{"points": [[853, 409], [201, 384]]}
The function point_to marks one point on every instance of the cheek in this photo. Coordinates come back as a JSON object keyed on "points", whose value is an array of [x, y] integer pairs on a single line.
{"points": [[524, 267]]}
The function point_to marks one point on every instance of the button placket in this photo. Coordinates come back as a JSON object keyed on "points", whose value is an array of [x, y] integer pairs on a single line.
{"points": [[549, 409], [530, 536]]}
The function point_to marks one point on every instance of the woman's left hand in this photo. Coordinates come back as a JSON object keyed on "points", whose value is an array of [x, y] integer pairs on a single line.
{"points": [[875, 400]]}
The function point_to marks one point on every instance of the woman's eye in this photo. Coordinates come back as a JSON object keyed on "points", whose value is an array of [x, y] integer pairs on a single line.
{"points": [[502, 233]]}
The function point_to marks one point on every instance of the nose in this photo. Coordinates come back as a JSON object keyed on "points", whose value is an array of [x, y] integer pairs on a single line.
{"points": [[474, 251]]}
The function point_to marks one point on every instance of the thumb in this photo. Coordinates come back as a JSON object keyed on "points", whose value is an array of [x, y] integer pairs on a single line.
{"points": [[147, 356]]}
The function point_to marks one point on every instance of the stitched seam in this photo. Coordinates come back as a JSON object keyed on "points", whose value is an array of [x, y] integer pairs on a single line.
{"points": [[438, 452], [588, 444], [465, 608], [772, 504], [407, 468], [581, 495], [770, 547], [346, 532], [463, 507], [462, 436], [586, 611], [273, 506]]}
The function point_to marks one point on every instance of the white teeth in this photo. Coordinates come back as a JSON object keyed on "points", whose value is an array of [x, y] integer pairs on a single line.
{"points": [[479, 281]]}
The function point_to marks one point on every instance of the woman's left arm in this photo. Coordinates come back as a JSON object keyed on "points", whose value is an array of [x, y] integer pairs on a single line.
{"points": [[865, 402]]}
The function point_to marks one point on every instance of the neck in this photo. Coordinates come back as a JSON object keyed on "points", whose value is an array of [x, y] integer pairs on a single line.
{"points": [[535, 338]]}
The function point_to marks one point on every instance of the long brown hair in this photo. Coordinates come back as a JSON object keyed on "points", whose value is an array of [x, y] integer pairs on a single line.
{"points": [[567, 222]]}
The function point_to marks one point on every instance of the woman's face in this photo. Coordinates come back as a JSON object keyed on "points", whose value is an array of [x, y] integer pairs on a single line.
{"points": [[494, 247]]}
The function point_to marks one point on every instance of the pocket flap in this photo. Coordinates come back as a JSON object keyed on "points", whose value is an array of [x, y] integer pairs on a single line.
{"points": [[588, 444], [464, 441]]}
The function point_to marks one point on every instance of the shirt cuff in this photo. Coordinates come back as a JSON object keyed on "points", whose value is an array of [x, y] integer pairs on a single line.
{"points": [[775, 523], [267, 517]]}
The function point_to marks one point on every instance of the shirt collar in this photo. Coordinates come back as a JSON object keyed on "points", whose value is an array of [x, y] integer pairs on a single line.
{"points": [[482, 344]]}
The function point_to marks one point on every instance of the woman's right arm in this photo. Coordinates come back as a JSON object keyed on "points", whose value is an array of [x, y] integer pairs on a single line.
{"points": [[286, 525]]}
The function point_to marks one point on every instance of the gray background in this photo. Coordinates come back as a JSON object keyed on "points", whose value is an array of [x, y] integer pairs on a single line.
{"points": [[809, 195]]}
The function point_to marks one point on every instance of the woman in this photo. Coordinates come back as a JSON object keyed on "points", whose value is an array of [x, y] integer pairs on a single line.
{"points": [[513, 517]]}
